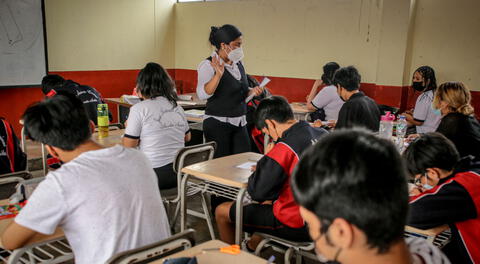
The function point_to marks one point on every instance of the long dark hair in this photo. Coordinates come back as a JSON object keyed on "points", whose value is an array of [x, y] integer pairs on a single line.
{"points": [[328, 72], [153, 81]]}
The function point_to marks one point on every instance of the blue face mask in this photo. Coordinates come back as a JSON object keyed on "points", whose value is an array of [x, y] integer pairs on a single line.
{"points": [[436, 111], [427, 186]]}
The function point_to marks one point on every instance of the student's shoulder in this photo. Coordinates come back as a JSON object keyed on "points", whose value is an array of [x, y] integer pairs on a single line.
{"points": [[205, 65]]}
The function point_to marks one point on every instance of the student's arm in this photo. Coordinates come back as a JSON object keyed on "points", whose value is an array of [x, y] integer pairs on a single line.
{"points": [[420, 112], [133, 128], [16, 236], [267, 180], [313, 93], [450, 204], [188, 136], [45, 210]]}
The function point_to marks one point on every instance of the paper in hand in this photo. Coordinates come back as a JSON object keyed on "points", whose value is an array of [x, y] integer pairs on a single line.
{"points": [[264, 82]]}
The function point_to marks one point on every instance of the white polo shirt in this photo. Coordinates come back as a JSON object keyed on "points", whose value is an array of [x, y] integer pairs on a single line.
{"points": [[106, 201]]}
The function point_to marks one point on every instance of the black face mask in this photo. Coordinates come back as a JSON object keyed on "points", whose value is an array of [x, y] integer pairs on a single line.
{"points": [[418, 86]]}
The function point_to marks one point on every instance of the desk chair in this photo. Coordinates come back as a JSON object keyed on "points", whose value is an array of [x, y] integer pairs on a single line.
{"points": [[439, 237], [289, 248], [185, 157], [51, 251], [148, 253]]}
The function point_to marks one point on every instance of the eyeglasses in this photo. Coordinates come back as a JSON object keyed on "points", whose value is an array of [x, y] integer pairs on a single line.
{"points": [[418, 181]]}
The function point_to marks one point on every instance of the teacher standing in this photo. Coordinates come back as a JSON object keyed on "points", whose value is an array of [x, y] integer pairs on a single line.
{"points": [[222, 81]]}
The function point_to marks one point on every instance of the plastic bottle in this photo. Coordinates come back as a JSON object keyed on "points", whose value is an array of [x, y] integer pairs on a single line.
{"points": [[386, 125], [401, 127], [102, 120]]}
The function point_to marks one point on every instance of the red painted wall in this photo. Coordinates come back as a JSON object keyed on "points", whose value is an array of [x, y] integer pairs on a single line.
{"points": [[13, 101]]}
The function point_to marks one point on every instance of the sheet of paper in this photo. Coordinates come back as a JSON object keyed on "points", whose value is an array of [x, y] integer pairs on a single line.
{"points": [[195, 113], [184, 97], [186, 103], [264, 82], [247, 165]]}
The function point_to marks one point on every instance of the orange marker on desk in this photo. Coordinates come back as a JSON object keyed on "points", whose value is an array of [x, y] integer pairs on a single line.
{"points": [[232, 250]]}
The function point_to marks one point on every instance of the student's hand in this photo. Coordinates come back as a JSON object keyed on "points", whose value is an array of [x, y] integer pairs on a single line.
{"points": [[218, 66], [257, 91], [269, 147], [317, 123], [253, 168], [412, 137], [415, 191], [268, 202]]}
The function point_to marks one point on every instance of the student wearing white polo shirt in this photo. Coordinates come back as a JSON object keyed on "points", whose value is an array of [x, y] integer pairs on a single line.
{"points": [[327, 100], [157, 125], [423, 117], [104, 199]]}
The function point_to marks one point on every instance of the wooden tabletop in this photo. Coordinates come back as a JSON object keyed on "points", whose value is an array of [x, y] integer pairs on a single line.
{"points": [[114, 137], [4, 223], [210, 257], [224, 170], [194, 103], [300, 108], [428, 232]]}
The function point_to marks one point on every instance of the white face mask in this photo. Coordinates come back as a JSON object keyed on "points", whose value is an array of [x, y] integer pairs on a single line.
{"points": [[236, 55]]}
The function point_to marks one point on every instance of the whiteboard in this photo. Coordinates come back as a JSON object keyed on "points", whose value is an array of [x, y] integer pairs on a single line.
{"points": [[23, 60]]}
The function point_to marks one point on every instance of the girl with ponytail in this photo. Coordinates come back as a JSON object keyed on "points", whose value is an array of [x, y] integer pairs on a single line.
{"points": [[453, 102]]}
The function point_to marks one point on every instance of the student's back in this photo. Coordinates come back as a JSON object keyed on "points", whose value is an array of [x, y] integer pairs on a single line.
{"points": [[106, 201]]}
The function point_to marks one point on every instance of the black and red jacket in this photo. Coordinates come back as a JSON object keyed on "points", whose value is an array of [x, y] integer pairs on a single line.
{"points": [[454, 201], [12, 158], [271, 179]]}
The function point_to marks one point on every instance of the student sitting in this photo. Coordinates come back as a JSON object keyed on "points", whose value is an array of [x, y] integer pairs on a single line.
{"points": [[352, 192], [452, 102], [423, 117], [158, 124], [12, 158], [105, 200], [53, 83], [327, 100], [359, 110], [276, 212], [448, 193]]}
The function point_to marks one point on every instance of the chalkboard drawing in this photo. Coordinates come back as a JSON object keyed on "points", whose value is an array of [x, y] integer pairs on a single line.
{"points": [[9, 24], [20, 25]]}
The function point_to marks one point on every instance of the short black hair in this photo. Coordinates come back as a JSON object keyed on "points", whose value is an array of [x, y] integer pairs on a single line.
{"points": [[273, 108], [224, 34], [153, 81], [60, 121], [355, 175], [430, 150], [52, 81], [348, 78], [329, 70]]}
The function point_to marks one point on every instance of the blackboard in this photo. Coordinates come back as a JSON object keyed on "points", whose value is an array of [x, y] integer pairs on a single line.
{"points": [[23, 54]]}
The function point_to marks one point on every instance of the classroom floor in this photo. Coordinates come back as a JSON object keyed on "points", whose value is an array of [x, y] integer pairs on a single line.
{"points": [[199, 225]]}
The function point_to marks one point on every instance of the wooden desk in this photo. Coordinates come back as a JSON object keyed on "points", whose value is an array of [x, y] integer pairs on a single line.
{"points": [[300, 110], [114, 137], [222, 177], [439, 236], [210, 257]]}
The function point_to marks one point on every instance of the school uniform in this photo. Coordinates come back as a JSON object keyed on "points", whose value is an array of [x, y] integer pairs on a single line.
{"points": [[225, 113], [271, 181], [423, 112], [106, 201], [359, 111], [160, 126], [328, 100], [12, 158], [463, 131], [454, 201]]}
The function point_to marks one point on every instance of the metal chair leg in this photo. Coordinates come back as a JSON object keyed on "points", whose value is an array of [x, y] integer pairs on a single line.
{"points": [[288, 255], [208, 216]]}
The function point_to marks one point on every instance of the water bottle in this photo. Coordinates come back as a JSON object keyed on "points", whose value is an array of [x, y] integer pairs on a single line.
{"points": [[386, 125], [102, 120], [401, 132]]}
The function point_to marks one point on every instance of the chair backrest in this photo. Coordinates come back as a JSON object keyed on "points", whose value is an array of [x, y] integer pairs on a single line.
{"points": [[8, 186], [27, 187], [166, 247], [191, 155]]}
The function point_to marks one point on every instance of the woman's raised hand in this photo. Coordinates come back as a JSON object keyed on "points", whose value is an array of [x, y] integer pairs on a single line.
{"points": [[218, 66]]}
